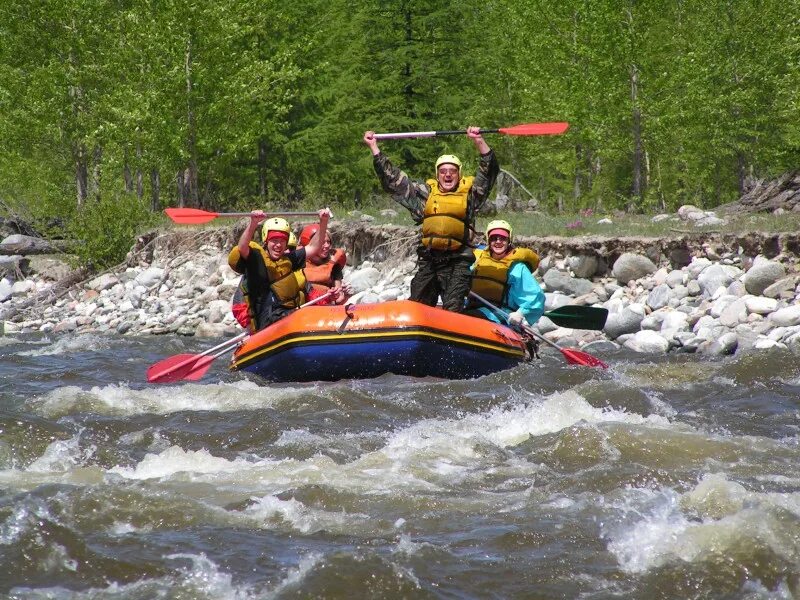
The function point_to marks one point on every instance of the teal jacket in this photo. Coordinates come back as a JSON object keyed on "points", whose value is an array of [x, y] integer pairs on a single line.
{"points": [[524, 294]]}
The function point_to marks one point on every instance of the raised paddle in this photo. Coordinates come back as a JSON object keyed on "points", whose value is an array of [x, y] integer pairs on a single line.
{"points": [[196, 216], [525, 129], [573, 356], [575, 316], [194, 366]]}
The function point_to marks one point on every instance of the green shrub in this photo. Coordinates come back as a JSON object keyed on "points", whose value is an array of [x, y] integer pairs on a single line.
{"points": [[103, 232]]}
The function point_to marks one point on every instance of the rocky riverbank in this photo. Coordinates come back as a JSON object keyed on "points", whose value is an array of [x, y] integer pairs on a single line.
{"points": [[711, 294]]}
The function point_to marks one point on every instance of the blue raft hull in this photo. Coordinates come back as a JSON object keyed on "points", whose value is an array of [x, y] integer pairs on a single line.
{"points": [[402, 337]]}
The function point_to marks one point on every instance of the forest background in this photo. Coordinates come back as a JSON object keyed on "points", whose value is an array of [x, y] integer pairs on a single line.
{"points": [[111, 110]]}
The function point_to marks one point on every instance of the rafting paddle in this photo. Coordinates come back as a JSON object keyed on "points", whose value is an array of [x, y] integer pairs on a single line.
{"points": [[573, 356], [194, 366], [195, 216], [181, 366], [576, 316], [525, 129]]}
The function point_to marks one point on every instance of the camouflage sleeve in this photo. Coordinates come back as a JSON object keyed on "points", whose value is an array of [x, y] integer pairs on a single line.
{"points": [[411, 194], [488, 169]]}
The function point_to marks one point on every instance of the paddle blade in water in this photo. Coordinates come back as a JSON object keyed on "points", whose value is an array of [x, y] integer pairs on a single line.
{"points": [[172, 369], [535, 129], [576, 357], [190, 216]]}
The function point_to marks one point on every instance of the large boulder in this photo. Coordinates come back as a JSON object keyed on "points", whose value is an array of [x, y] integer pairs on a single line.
{"points": [[630, 266], [648, 342], [761, 275], [713, 277], [14, 267], [49, 268], [558, 281], [628, 320]]}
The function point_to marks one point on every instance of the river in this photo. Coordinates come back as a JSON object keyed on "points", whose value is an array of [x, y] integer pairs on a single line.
{"points": [[674, 476]]}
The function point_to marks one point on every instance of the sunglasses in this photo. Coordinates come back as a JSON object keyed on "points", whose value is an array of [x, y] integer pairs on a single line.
{"points": [[497, 238]]}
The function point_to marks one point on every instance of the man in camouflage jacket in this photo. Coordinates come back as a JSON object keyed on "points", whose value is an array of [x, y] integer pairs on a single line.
{"points": [[443, 266]]}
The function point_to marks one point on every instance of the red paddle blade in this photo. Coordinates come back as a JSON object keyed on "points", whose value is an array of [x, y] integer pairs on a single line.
{"points": [[576, 357], [173, 368], [535, 129], [190, 216], [199, 368]]}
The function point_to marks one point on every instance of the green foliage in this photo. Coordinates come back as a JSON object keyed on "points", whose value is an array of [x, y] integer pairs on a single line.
{"points": [[265, 102], [104, 231]]}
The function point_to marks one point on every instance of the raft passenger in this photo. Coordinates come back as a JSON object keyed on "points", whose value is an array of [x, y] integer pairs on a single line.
{"points": [[503, 275], [445, 207], [239, 307], [324, 272], [273, 289]]}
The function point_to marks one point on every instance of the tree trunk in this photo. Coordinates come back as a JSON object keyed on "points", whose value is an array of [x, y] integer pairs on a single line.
{"points": [[191, 180], [81, 174], [262, 170], [97, 164], [180, 188], [139, 176], [155, 190], [408, 88], [637, 188], [126, 174]]}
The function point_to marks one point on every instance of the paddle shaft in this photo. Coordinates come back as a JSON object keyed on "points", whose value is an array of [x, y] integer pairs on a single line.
{"points": [[223, 348], [198, 366], [269, 214], [197, 216], [572, 356], [424, 134], [524, 129]]}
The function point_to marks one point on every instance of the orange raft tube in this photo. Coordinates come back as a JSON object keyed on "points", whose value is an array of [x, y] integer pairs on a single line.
{"points": [[368, 340]]}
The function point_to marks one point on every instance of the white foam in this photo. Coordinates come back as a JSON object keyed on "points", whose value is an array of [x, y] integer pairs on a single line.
{"points": [[205, 577], [508, 427], [202, 579], [296, 576], [23, 517], [408, 548], [715, 518], [430, 455], [305, 519], [70, 344], [61, 456], [121, 400], [175, 460]]}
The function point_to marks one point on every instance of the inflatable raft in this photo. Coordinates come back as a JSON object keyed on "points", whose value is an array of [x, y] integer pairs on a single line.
{"points": [[328, 343]]}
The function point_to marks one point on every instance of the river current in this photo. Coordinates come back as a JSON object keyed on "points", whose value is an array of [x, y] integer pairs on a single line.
{"points": [[673, 476]]}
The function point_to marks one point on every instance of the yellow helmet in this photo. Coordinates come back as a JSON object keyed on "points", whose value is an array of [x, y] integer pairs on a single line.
{"points": [[292, 240], [449, 159], [275, 224], [498, 224]]}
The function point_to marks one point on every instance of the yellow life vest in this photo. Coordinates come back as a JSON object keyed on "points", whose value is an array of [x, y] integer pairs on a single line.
{"points": [[302, 283], [444, 225], [288, 286], [490, 276]]}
